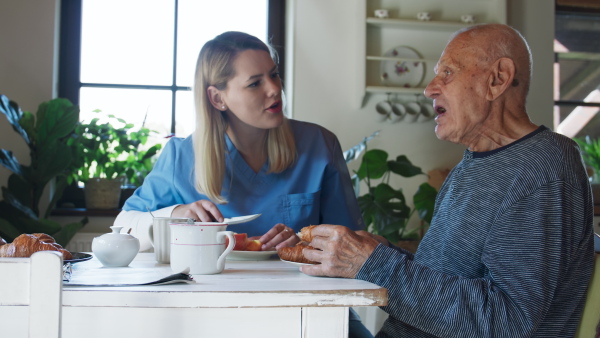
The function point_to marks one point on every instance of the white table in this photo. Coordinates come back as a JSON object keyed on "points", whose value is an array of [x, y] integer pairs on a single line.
{"points": [[250, 299]]}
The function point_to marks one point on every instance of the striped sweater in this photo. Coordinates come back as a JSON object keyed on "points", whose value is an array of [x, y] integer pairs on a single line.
{"points": [[509, 252]]}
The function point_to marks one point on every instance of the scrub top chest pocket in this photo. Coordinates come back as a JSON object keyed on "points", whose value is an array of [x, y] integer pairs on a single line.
{"points": [[300, 210]]}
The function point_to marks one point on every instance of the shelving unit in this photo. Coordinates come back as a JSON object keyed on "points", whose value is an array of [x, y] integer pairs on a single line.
{"points": [[402, 29]]}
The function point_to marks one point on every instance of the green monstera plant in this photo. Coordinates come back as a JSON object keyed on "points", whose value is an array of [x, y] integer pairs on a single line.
{"points": [[384, 208], [46, 134]]}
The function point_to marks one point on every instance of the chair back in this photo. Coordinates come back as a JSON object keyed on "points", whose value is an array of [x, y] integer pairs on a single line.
{"points": [[31, 295], [590, 320]]}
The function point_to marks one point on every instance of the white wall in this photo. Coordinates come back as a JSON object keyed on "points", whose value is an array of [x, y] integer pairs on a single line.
{"points": [[324, 45]]}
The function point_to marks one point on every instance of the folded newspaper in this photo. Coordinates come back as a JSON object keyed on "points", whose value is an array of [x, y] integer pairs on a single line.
{"points": [[122, 277]]}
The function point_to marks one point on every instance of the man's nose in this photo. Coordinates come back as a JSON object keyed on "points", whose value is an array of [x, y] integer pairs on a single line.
{"points": [[433, 89]]}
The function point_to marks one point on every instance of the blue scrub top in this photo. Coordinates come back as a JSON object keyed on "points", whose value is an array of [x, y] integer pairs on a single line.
{"points": [[316, 189]]}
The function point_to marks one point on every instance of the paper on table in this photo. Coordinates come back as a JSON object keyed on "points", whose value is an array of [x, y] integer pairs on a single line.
{"points": [[125, 277]]}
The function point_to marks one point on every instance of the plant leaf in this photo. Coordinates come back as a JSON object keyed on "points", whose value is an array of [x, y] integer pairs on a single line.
{"points": [[374, 164], [403, 167], [13, 114], [56, 119], [8, 231], [10, 162], [64, 236], [424, 201]]}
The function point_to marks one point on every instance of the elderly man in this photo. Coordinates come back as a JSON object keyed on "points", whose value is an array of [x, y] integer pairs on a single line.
{"points": [[509, 252]]}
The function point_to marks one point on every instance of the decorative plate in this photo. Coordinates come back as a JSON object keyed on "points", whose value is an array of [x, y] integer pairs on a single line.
{"points": [[238, 255], [78, 257], [400, 73]]}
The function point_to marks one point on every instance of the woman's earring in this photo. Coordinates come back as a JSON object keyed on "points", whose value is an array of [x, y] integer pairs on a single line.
{"points": [[223, 108]]}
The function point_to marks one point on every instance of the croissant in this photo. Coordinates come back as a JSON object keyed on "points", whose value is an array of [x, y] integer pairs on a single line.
{"points": [[294, 253], [25, 245], [306, 233]]}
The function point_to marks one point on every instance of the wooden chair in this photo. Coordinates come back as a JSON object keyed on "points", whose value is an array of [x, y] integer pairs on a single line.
{"points": [[590, 320], [31, 295]]}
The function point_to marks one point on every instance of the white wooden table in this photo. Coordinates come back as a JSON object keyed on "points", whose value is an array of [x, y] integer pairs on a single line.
{"points": [[250, 299]]}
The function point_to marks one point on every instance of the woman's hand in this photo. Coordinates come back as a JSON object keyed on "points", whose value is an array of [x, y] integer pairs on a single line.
{"points": [[201, 211], [279, 236]]}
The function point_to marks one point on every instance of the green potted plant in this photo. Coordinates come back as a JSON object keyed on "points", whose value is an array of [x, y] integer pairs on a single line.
{"points": [[108, 155], [46, 134], [590, 150], [384, 208]]}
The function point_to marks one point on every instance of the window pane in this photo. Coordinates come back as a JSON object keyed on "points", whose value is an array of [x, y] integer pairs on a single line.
{"points": [[132, 105], [185, 116], [200, 21], [579, 76], [127, 42]]}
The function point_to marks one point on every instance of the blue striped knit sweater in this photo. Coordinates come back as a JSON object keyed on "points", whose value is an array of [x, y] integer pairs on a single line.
{"points": [[509, 252]]}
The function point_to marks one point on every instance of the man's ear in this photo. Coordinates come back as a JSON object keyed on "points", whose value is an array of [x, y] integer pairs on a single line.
{"points": [[215, 97], [501, 77]]}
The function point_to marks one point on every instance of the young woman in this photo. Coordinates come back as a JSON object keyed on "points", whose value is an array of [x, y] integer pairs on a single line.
{"points": [[245, 157]]}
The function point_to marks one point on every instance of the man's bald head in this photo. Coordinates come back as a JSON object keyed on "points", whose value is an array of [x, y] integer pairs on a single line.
{"points": [[501, 41]]}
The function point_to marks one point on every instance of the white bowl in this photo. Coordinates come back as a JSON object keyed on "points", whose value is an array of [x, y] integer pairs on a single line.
{"points": [[115, 249]]}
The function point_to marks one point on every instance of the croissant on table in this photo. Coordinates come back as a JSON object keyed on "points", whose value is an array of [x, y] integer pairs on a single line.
{"points": [[294, 253], [25, 245]]}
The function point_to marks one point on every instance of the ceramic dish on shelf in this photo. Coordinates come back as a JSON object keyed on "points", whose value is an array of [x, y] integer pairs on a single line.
{"points": [[238, 255], [296, 263], [401, 73]]}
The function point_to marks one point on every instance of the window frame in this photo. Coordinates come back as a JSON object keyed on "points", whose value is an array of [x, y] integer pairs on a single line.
{"points": [[69, 83]]}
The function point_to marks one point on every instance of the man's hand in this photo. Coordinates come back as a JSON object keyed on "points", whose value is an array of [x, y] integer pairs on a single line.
{"points": [[341, 251]]}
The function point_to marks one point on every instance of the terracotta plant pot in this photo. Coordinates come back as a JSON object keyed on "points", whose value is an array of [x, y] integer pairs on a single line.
{"points": [[102, 193]]}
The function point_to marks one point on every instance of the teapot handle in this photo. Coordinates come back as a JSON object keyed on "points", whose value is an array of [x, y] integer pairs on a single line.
{"points": [[221, 237]]}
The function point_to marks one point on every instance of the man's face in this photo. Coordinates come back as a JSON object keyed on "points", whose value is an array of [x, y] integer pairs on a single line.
{"points": [[459, 91]]}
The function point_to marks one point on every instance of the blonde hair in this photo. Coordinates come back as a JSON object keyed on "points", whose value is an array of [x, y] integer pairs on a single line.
{"points": [[215, 68]]}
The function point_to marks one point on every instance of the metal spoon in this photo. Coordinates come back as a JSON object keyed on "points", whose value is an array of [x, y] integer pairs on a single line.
{"points": [[149, 211]]}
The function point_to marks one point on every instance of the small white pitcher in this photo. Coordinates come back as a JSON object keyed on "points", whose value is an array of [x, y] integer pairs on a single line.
{"points": [[200, 247]]}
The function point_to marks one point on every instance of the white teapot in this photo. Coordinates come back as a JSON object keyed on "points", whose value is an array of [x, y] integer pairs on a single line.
{"points": [[115, 249]]}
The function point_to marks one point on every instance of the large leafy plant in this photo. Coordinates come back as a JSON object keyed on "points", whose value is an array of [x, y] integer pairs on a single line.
{"points": [[591, 154], [46, 134], [384, 208], [112, 149]]}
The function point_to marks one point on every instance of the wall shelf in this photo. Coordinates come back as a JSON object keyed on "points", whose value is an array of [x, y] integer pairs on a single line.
{"points": [[402, 29]]}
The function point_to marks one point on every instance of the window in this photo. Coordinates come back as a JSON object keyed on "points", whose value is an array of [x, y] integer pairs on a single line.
{"points": [[577, 68], [135, 59]]}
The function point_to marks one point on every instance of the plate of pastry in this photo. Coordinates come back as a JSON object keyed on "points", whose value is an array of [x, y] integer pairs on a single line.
{"points": [[78, 257], [404, 70], [239, 255]]}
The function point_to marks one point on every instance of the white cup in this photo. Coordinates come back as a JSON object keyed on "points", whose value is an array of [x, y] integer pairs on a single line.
{"points": [[160, 237], [413, 110], [381, 13], [383, 110], [200, 247], [424, 16], [467, 18], [398, 112], [427, 112]]}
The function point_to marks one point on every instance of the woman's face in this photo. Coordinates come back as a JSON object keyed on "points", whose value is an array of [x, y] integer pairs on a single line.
{"points": [[253, 94]]}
